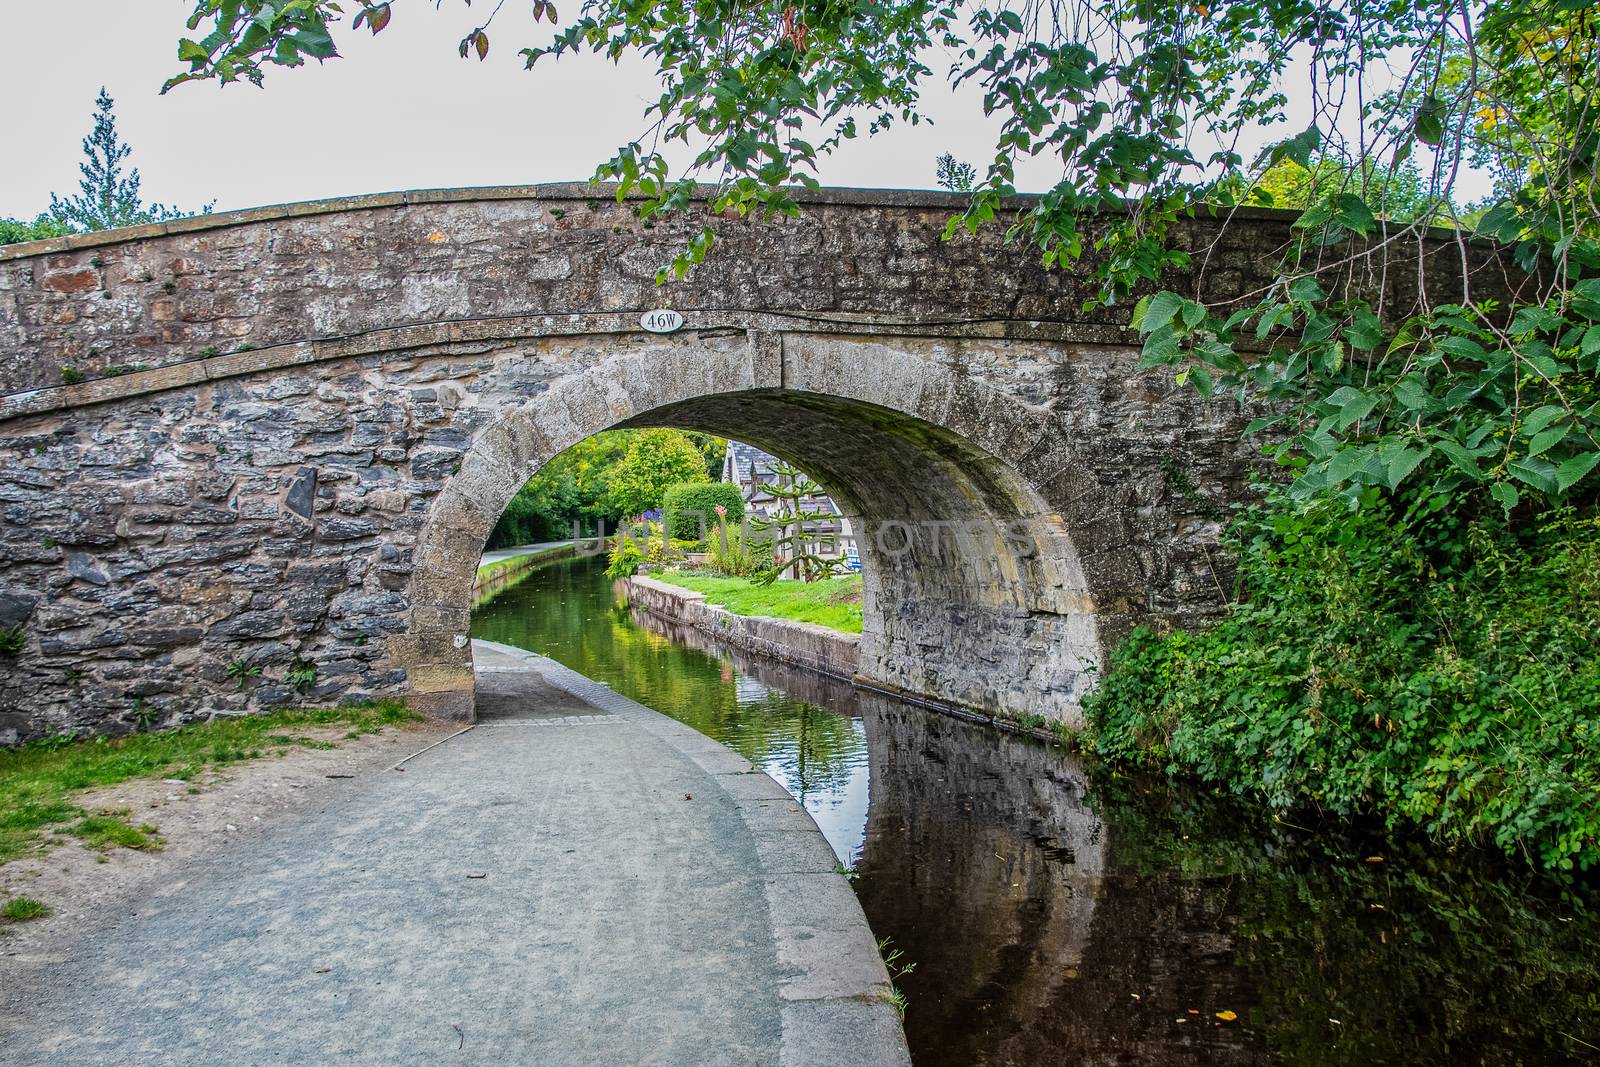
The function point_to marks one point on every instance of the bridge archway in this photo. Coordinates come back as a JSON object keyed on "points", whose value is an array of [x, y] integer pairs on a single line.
{"points": [[974, 590], [248, 449]]}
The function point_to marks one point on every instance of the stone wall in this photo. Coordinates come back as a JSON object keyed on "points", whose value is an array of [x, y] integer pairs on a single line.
{"points": [[801, 644], [298, 426]]}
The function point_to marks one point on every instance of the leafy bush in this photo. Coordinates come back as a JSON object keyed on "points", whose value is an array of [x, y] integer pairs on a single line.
{"points": [[1435, 668], [1458, 399], [655, 460], [13, 231], [738, 552], [690, 509], [574, 490], [625, 559]]}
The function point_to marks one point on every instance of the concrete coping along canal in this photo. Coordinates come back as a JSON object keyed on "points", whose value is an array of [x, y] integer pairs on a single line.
{"points": [[834, 988]]}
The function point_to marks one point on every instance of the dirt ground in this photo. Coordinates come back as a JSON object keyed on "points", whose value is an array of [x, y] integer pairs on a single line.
{"points": [[79, 883]]}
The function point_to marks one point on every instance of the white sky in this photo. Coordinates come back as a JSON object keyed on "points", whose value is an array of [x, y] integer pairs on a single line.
{"points": [[400, 111]]}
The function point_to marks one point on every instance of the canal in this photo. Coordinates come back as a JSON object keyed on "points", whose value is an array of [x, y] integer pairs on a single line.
{"points": [[1056, 913]]}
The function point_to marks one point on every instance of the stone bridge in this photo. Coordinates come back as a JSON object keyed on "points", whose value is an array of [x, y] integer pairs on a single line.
{"points": [[279, 438]]}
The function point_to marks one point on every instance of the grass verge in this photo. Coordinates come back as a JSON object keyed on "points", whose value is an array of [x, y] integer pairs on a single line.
{"points": [[38, 780], [831, 602]]}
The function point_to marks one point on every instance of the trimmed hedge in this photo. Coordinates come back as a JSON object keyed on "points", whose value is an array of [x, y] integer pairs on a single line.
{"points": [[685, 504]]}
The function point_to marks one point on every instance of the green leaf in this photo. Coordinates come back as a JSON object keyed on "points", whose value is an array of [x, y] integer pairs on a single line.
{"points": [[1430, 121], [1304, 291], [1538, 357], [1544, 442], [1586, 298], [1462, 459], [1159, 311], [1505, 494], [1413, 394], [1539, 418], [1366, 332], [1402, 463], [1538, 473], [1272, 319], [1316, 216], [1573, 470], [1348, 460], [1533, 319], [1463, 348], [1299, 148], [1356, 409], [1136, 320], [1352, 212], [1160, 348]]}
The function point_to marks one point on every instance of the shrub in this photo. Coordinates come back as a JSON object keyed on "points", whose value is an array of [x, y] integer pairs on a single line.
{"points": [[1432, 667], [41, 228], [625, 558], [738, 552], [690, 509]]}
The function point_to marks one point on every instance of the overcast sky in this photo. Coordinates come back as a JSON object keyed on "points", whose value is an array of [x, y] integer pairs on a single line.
{"points": [[401, 111]]}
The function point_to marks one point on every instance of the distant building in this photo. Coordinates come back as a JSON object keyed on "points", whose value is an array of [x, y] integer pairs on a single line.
{"points": [[749, 468]]}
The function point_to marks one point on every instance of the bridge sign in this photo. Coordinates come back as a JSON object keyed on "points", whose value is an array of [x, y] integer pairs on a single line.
{"points": [[663, 320]]}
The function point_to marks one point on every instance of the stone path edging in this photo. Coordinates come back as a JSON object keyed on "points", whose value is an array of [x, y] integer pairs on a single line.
{"points": [[834, 988]]}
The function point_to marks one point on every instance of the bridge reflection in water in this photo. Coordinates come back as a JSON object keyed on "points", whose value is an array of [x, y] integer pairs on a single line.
{"points": [[1057, 915]]}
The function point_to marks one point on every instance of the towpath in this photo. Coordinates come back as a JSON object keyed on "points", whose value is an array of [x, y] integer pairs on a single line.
{"points": [[576, 880]]}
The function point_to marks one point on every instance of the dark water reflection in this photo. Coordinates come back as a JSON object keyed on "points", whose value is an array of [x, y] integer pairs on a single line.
{"points": [[1062, 917]]}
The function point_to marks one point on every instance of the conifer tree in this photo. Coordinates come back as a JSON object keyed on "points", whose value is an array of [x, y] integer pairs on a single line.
{"points": [[108, 198]]}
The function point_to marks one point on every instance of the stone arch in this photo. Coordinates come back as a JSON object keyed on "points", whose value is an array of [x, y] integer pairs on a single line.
{"points": [[976, 592]]}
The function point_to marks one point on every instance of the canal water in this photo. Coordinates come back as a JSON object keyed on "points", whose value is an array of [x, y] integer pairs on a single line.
{"points": [[1053, 913]]}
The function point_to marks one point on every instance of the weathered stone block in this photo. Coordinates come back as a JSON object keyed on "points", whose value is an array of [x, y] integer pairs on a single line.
{"points": [[330, 529]]}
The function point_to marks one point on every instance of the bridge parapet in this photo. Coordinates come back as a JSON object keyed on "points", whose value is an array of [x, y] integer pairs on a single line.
{"points": [[207, 287]]}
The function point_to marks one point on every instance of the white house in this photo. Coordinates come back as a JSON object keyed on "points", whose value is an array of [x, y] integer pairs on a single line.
{"points": [[749, 468]]}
